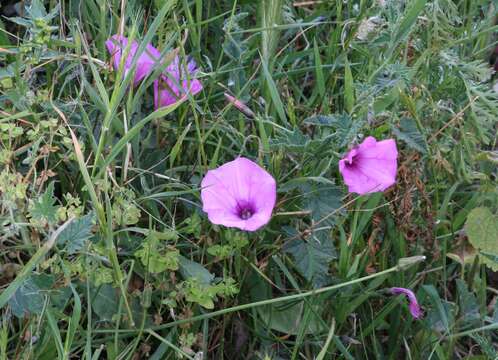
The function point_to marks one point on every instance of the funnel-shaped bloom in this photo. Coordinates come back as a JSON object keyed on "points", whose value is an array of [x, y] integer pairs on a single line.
{"points": [[116, 46], [177, 84], [370, 167], [414, 307], [239, 194]]}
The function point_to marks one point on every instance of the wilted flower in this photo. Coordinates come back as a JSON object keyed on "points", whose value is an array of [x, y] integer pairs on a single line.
{"points": [[239, 194], [177, 84], [370, 167], [117, 44], [415, 309]]}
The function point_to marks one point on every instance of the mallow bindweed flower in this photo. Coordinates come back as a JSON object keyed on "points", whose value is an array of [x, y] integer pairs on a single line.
{"points": [[116, 46], [239, 194], [414, 307], [370, 167], [179, 82]]}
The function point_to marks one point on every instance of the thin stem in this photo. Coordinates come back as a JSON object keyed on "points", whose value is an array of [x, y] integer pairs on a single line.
{"points": [[263, 302]]}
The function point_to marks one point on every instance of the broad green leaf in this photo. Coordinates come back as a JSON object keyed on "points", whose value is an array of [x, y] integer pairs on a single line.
{"points": [[324, 201], [467, 302], [74, 236], [105, 302], [482, 230], [287, 318], [43, 209], [29, 298], [312, 257], [190, 269], [441, 315]]}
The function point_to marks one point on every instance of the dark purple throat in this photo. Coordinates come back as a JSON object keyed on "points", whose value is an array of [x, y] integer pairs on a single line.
{"points": [[245, 210]]}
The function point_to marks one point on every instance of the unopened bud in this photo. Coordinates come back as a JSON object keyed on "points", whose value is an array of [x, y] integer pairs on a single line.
{"points": [[405, 263], [239, 105]]}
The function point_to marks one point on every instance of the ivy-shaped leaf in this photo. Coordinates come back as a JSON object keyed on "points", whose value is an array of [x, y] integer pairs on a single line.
{"points": [[29, 298], [324, 201], [43, 209], [105, 302], [312, 256]]}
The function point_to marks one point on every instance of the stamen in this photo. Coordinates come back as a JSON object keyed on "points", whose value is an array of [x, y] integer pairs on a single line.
{"points": [[245, 213]]}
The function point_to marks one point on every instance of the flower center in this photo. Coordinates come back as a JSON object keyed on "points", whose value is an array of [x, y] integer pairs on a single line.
{"points": [[245, 214], [245, 211], [351, 159]]}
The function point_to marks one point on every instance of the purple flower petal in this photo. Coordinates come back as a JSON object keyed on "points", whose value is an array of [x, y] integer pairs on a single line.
{"points": [[414, 307], [116, 45], [239, 194], [370, 167], [177, 84]]}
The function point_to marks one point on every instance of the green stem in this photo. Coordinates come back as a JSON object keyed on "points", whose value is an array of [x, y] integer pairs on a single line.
{"points": [[264, 302], [493, 326]]}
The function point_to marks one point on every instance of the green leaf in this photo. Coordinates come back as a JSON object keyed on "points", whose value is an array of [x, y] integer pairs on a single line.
{"points": [[294, 141], [324, 201], [43, 210], [74, 236], [274, 93], [467, 302], [482, 230], [348, 88], [287, 318], [346, 130], [408, 132], [320, 79], [105, 303], [441, 316], [190, 269], [409, 19], [312, 257], [156, 260], [29, 298]]}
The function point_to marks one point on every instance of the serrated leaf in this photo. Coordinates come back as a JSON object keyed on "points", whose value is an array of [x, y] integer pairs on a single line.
{"points": [[408, 132], [322, 200], [191, 269], [155, 259], [43, 209], [346, 130], [312, 257], [76, 233], [294, 141], [482, 230]]}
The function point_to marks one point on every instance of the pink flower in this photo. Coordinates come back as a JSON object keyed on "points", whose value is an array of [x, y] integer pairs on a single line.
{"points": [[175, 87], [415, 309], [116, 45], [239, 194], [370, 166]]}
